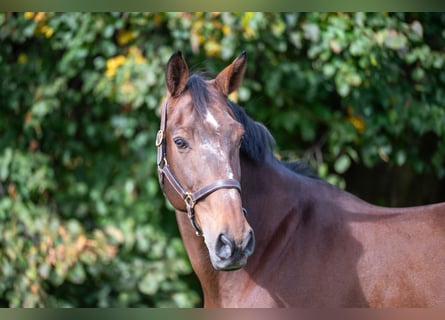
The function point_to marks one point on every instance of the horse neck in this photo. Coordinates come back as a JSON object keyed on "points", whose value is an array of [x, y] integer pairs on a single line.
{"points": [[272, 195], [266, 196]]}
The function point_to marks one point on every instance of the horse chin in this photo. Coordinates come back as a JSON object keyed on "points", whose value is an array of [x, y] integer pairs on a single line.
{"points": [[228, 265]]}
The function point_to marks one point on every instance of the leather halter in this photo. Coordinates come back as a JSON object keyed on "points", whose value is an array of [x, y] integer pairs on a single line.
{"points": [[181, 199]]}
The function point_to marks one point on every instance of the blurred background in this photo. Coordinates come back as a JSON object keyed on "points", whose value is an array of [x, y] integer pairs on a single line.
{"points": [[83, 223]]}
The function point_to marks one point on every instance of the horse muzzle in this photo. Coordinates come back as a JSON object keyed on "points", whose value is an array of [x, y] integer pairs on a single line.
{"points": [[227, 255]]}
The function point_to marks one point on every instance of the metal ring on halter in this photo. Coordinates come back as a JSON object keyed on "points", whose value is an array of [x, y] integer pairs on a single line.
{"points": [[188, 199], [164, 162], [159, 137]]}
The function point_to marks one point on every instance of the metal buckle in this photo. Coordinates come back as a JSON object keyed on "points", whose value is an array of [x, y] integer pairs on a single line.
{"points": [[189, 200], [159, 137]]}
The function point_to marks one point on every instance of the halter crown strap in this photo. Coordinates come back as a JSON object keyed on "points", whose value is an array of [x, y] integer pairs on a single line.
{"points": [[190, 198]]}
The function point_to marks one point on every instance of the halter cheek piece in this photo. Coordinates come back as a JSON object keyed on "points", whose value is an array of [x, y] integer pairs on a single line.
{"points": [[168, 180]]}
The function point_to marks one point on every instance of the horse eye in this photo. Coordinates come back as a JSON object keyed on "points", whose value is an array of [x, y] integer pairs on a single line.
{"points": [[181, 143]]}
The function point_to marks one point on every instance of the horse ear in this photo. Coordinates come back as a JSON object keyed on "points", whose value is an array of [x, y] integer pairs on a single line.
{"points": [[176, 74], [230, 78]]}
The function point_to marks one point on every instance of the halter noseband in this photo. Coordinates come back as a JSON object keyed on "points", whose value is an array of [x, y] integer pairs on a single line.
{"points": [[189, 199]]}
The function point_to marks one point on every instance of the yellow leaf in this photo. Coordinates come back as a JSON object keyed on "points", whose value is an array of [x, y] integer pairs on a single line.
{"points": [[47, 31], [22, 59], [28, 15], [125, 36], [136, 54], [212, 48], [358, 123], [40, 16], [226, 30], [113, 64]]}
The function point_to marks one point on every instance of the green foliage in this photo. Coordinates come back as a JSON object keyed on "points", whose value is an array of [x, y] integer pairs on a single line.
{"points": [[81, 216], [82, 219]]}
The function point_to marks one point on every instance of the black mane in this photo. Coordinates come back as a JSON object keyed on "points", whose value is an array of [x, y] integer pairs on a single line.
{"points": [[258, 143]]}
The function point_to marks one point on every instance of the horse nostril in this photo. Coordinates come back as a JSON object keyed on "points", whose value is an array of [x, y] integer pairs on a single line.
{"points": [[248, 244], [224, 247]]}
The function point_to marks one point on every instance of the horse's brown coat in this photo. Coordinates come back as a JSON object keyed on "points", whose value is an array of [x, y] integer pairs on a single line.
{"points": [[316, 245]]}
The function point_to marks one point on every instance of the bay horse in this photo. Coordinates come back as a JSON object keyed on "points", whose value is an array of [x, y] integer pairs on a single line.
{"points": [[270, 235]]}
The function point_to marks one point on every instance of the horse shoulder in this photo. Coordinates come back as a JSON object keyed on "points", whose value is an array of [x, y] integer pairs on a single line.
{"points": [[392, 256]]}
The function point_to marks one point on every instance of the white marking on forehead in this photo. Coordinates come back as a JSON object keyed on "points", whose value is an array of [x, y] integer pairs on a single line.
{"points": [[214, 150], [211, 120]]}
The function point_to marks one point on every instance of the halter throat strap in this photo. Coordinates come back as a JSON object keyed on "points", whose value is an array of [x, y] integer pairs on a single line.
{"points": [[166, 176]]}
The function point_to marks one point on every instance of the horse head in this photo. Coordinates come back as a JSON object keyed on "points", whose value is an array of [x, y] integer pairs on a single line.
{"points": [[198, 159]]}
